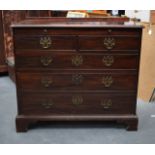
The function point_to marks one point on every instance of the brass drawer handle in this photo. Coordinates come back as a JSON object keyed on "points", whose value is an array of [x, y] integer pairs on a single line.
{"points": [[45, 30], [47, 104], [109, 30], [77, 100], [46, 61], [77, 79], [108, 60], [109, 43], [107, 81], [46, 82], [77, 60], [106, 103], [45, 42]]}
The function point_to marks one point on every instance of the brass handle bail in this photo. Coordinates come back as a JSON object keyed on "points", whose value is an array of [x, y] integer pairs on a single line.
{"points": [[107, 81], [45, 42], [46, 82], [77, 100], [109, 43], [106, 103], [46, 61], [77, 79], [47, 104], [108, 60], [77, 60]]}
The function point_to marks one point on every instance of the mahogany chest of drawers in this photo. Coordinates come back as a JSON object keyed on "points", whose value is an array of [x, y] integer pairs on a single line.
{"points": [[76, 71]]}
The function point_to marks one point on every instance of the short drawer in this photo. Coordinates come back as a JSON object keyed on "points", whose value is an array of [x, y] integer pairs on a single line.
{"points": [[45, 42], [77, 81], [65, 61], [109, 43], [77, 103]]}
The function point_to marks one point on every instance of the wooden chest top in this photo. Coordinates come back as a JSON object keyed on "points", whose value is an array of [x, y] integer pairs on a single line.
{"points": [[75, 24]]}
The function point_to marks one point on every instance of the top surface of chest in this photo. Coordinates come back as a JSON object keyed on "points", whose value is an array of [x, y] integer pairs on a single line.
{"points": [[75, 24]]}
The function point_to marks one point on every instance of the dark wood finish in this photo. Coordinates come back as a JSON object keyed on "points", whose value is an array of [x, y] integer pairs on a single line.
{"points": [[63, 60], [55, 30], [37, 13], [84, 43], [91, 104], [85, 71], [23, 122], [58, 42], [3, 66], [97, 43], [67, 81]]}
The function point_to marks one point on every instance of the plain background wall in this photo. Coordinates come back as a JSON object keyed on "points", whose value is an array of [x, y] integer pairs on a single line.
{"points": [[144, 15], [147, 66]]}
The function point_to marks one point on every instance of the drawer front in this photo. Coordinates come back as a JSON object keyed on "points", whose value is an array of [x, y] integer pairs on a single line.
{"points": [[77, 81], [77, 103], [45, 42], [109, 43], [77, 61]]}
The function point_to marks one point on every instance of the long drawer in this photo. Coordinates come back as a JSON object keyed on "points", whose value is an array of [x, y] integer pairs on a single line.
{"points": [[71, 60], [77, 103], [78, 81]]}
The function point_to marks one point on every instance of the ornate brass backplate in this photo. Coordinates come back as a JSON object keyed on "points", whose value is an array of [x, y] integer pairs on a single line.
{"points": [[77, 79], [47, 104], [106, 103], [46, 81], [45, 42], [108, 60], [109, 43], [77, 60], [77, 100], [46, 60], [107, 81]]}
